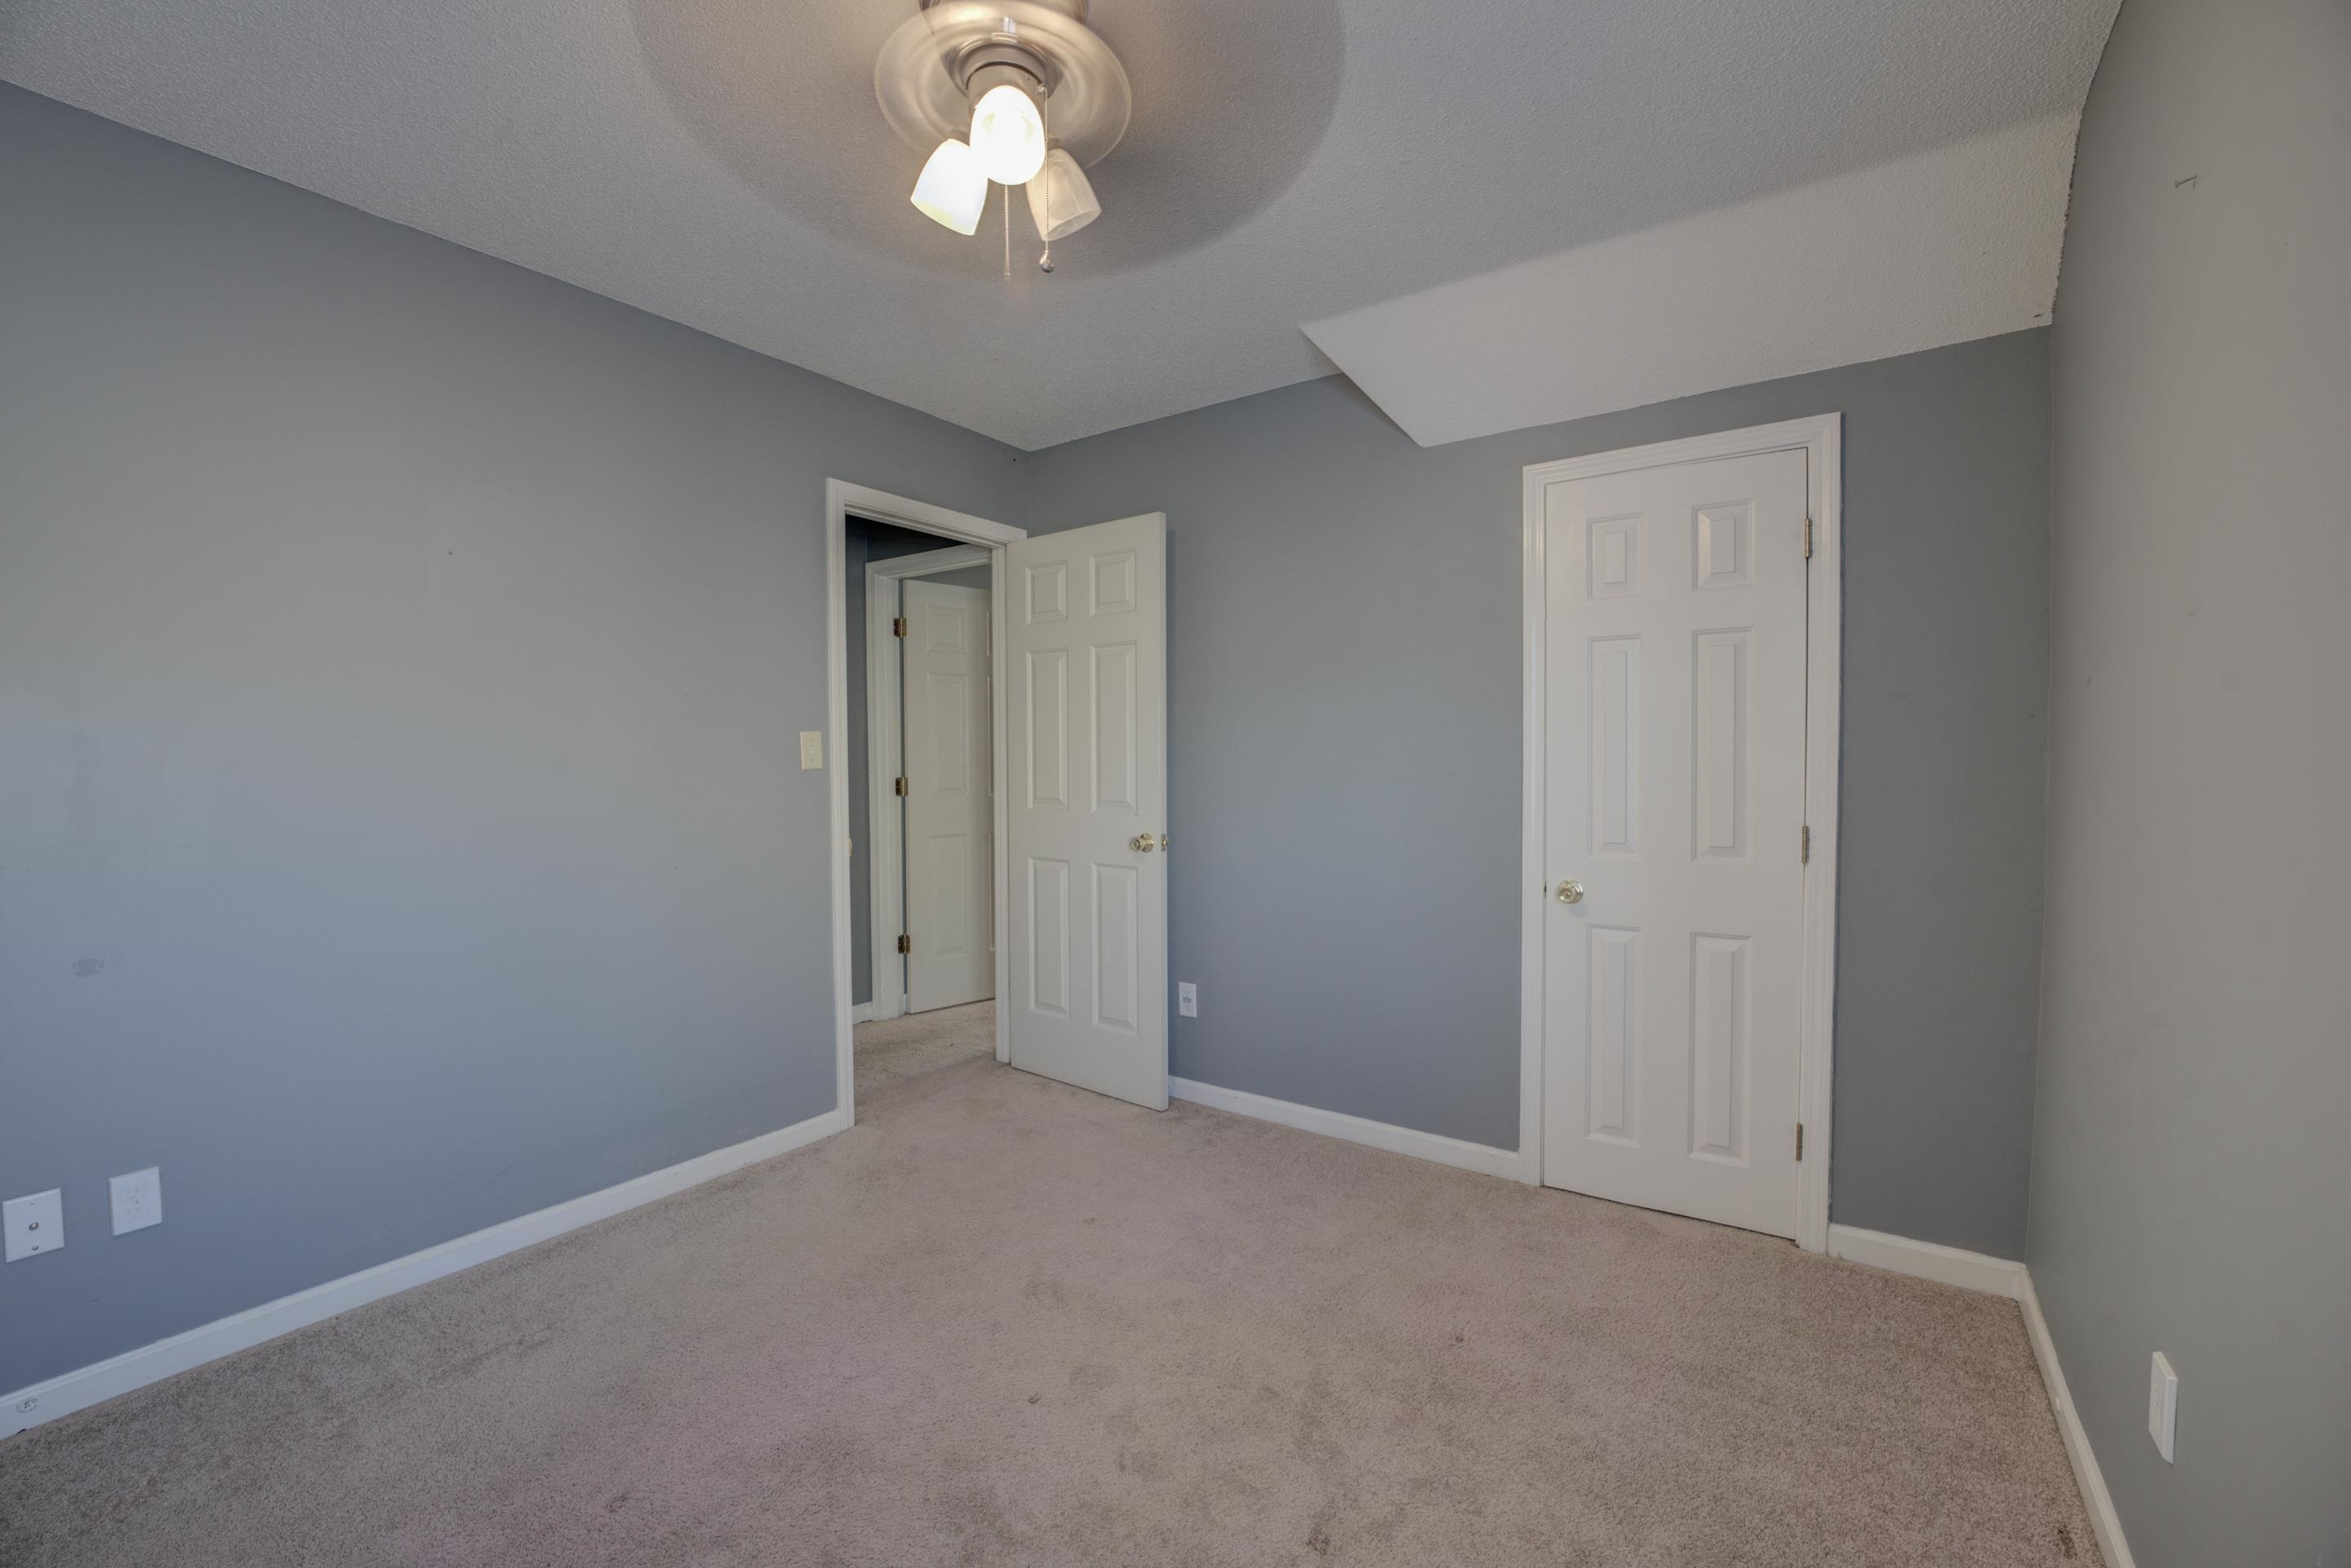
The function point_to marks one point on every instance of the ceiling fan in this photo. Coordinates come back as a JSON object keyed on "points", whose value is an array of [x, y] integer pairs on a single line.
{"points": [[1007, 92]]}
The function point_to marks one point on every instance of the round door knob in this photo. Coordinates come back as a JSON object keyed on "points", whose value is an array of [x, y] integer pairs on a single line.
{"points": [[1143, 842], [1571, 893]]}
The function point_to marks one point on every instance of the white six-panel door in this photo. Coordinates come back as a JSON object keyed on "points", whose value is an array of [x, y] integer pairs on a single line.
{"points": [[1085, 640], [950, 837], [1674, 786]]}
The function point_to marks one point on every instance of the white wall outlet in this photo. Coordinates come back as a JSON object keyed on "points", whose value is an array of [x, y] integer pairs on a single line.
{"points": [[811, 749], [33, 1224], [137, 1199], [2163, 1406], [1187, 999]]}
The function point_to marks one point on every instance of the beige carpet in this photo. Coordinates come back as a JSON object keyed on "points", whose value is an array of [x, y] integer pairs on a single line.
{"points": [[916, 1043], [1005, 1321]]}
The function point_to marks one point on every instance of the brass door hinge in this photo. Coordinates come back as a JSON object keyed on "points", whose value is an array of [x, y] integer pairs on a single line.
{"points": [[1799, 1143], [902, 784], [907, 945], [898, 623], [1808, 543], [1803, 844]]}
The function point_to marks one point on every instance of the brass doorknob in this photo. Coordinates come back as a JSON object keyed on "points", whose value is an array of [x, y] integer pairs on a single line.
{"points": [[1143, 843], [1571, 893]]}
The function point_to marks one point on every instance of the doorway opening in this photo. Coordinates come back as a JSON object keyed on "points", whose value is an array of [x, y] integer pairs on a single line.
{"points": [[1076, 730], [923, 857], [936, 572]]}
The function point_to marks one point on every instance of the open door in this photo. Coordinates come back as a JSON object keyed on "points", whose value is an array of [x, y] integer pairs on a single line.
{"points": [[950, 814], [1085, 692]]}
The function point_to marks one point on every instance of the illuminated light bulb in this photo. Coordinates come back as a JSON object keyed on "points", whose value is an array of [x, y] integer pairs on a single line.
{"points": [[953, 189], [1008, 129], [1060, 198]]}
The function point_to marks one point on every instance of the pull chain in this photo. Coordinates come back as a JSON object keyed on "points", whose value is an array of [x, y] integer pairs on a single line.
{"points": [[1045, 230], [1008, 232]]}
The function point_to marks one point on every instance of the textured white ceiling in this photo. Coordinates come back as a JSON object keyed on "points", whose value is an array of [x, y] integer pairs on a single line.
{"points": [[722, 163]]}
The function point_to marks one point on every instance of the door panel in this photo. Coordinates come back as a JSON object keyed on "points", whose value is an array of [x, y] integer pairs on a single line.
{"points": [[950, 810], [1674, 734], [1086, 636]]}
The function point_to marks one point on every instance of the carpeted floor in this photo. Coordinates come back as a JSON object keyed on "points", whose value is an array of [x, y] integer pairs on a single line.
{"points": [[1002, 1321], [908, 1046]]}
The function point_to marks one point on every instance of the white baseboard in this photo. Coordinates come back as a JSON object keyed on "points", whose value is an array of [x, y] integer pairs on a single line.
{"points": [[1445, 1151], [79, 1389], [2104, 1522], [862, 1013], [1998, 1277], [1927, 1260]]}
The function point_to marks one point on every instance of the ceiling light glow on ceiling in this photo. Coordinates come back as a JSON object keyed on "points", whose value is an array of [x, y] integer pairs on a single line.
{"points": [[1005, 72], [953, 190]]}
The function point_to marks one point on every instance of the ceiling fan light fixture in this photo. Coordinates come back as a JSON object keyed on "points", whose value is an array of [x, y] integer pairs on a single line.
{"points": [[1007, 127], [1060, 198], [991, 76], [953, 188]]}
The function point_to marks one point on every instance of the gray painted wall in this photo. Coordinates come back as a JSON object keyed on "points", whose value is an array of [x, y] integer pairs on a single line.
{"points": [[401, 661], [867, 541], [2191, 1170], [1343, 786]]}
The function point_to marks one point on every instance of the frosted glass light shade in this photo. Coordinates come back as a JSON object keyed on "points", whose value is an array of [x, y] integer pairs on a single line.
{"points": [[1007, 132], [953, 189], [1060, 198]]}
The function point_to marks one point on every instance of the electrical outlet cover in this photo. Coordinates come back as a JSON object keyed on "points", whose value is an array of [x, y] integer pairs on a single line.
{"points": [[137, 1199], [33, 1224], [2163, 1406]]}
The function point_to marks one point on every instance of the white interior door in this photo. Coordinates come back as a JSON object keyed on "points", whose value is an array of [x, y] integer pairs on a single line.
{"points": [[1085, 646], [950, 820], [1674, 648]]}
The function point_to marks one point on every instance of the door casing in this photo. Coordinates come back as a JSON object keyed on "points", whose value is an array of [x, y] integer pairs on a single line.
{"points": [[841, 498], [1821, 437]]}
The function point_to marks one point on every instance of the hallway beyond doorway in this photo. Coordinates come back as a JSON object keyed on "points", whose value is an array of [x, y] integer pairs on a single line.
{"points": [[906, 1047]]}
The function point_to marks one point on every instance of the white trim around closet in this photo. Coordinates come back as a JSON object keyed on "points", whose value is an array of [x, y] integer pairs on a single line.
{"points": [[1820, 438]]}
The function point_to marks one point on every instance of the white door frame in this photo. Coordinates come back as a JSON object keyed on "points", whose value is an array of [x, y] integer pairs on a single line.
{"points": [[1821, 437], [884, 748], [841, 498]]}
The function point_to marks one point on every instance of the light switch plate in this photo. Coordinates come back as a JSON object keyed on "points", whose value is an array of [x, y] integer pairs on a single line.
{"points": [[811, 749], [2163, 1406], [1188, 999], [137, 1199], [33, 1224]]}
